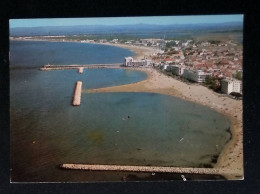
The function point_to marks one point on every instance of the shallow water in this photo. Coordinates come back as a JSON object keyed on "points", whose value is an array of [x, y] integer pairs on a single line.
{"points": [[161, 130]]}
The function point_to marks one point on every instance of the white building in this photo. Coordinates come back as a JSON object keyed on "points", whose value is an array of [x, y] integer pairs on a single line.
{"points": [[229, 85], [177, 69], [129, 61], [195, 75], [167, 67], [185, 44], [114, 40]]}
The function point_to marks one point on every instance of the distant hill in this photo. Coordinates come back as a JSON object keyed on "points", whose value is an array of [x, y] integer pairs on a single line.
{"points": [[127, 29]]}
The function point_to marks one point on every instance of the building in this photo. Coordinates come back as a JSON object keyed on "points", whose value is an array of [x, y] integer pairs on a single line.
{"points": [[229, 85], [198, 76], [130, 62], [168, 60], [166, 67], [177, 69]]}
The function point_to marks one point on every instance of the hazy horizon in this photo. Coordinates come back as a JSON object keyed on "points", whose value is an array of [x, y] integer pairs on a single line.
{"points": [[118, 21], [104, 25]]}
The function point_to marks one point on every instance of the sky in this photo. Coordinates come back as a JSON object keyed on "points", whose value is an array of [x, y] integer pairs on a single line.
{"points": [[162, 20]]}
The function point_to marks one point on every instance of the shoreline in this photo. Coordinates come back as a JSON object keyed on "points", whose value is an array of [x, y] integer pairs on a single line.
{"points": [[140, 51], [231, 157]]}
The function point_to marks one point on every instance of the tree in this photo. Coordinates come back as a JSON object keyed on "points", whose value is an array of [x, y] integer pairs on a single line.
{"points": [[213, 83], [170, 44], [238, 75]]}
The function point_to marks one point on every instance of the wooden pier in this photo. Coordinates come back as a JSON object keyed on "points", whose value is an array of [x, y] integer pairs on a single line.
{"points": [[77, 94], [159, 169]]}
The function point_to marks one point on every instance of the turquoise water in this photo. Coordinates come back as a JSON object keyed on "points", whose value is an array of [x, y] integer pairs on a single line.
{"points": [[108, 128]]}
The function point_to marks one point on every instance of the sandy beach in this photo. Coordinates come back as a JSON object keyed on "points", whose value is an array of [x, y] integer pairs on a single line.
{"points": [[231, 158], [140, 51]]}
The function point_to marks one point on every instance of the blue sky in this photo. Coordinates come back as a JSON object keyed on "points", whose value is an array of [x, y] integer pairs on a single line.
{"points": [[162, 20]]}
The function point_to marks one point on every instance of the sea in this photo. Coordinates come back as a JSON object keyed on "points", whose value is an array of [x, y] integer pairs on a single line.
{"points": [[107, 128]]}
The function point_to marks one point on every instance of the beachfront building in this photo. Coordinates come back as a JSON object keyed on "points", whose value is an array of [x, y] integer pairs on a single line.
{"points": [[229, 85], [130, 62], [198, 76], [166, 67], [177, 69]]}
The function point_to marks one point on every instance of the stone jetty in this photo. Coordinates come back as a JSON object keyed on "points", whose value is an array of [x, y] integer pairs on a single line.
{"points": [[77, 94], [153, 169], [75, 66]]}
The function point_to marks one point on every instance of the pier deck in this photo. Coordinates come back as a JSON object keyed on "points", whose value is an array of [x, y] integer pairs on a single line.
{"points": [[77, 94]]}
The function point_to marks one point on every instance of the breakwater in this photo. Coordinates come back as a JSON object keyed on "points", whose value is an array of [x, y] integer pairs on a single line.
{"points": [[75, 66], [77, 94], [159, 169]]}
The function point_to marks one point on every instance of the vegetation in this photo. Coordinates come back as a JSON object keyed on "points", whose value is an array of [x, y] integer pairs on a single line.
{"points": [[172, 52], [238, 75], [170, 44], [170, 73], [213, 83]]}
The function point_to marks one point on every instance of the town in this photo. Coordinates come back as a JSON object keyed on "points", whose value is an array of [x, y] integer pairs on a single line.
{"points": [[215, 64]]}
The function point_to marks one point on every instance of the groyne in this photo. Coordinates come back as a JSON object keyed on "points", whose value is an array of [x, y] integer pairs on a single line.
{"points": [[75, 66], [212, 171], [77, 94]]}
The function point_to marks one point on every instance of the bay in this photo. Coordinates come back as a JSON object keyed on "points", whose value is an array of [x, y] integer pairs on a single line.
{"points": [[108, 128]]}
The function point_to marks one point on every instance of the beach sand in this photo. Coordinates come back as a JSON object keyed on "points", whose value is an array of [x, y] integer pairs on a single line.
{"points": [[140, 51], [231, 158]]}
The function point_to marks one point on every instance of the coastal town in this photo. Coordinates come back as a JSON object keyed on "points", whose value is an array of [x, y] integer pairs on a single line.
{"points": [[207, 72], [219, 62]]}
